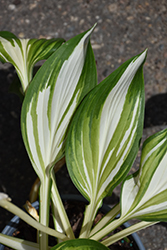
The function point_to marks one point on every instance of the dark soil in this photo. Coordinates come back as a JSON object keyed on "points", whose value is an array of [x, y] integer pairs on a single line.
{"points": [[75, 211], [156, 111]]}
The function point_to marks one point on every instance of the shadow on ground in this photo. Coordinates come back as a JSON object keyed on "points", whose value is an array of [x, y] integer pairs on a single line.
{"points": [[156, 111], [16, 173]]}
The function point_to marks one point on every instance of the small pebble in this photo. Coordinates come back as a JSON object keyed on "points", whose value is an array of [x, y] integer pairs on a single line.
{"points": [[97, 46], [113, 7], [59, 6], [74, 19], [81, 21], [129, 18], [21, 35], [27, 21], [32, 6], [147, 18], [11, 7]]}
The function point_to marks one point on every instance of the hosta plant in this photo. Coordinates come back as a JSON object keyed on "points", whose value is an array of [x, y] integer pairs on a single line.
{"points": [[98, 128]]}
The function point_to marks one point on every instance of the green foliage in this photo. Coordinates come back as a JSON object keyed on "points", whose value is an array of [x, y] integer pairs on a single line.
{"points": [[80, 244], [97, 128], [23, 54]]}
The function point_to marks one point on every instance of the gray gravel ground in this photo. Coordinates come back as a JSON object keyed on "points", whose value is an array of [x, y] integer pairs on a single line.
{"points": [[125, 28]]}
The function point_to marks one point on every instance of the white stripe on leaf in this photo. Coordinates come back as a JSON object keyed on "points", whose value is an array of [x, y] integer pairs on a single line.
{"points": [[51, 100], [67, 80], [140, 192], [130, 129], [110, 117], [130, 132], [158, 181], [97, 121], [24, 53], [152, 209], [87, 179], [58, 131], [129, 192], [17, 56], [31, 140], [113, 106], [43, 123]]}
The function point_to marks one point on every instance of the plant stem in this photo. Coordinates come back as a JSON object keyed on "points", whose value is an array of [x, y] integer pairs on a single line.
{"points": [[57, 221], [132, 229], [29, 220], [44, 209], [18, 244], [108, 229], [90, 213], [106, 219], [59, 207]]}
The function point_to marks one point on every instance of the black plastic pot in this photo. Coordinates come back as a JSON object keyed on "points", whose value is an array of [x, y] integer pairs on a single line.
{"points": [[13, 224]]}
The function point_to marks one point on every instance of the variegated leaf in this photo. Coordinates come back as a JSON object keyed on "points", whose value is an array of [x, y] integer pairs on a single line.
{"points": [[24, 53], [144, 194], [80, 244], [52, 98], [104, 136]]}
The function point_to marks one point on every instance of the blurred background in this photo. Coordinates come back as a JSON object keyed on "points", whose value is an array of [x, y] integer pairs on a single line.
{"points": [[124, 29]]}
